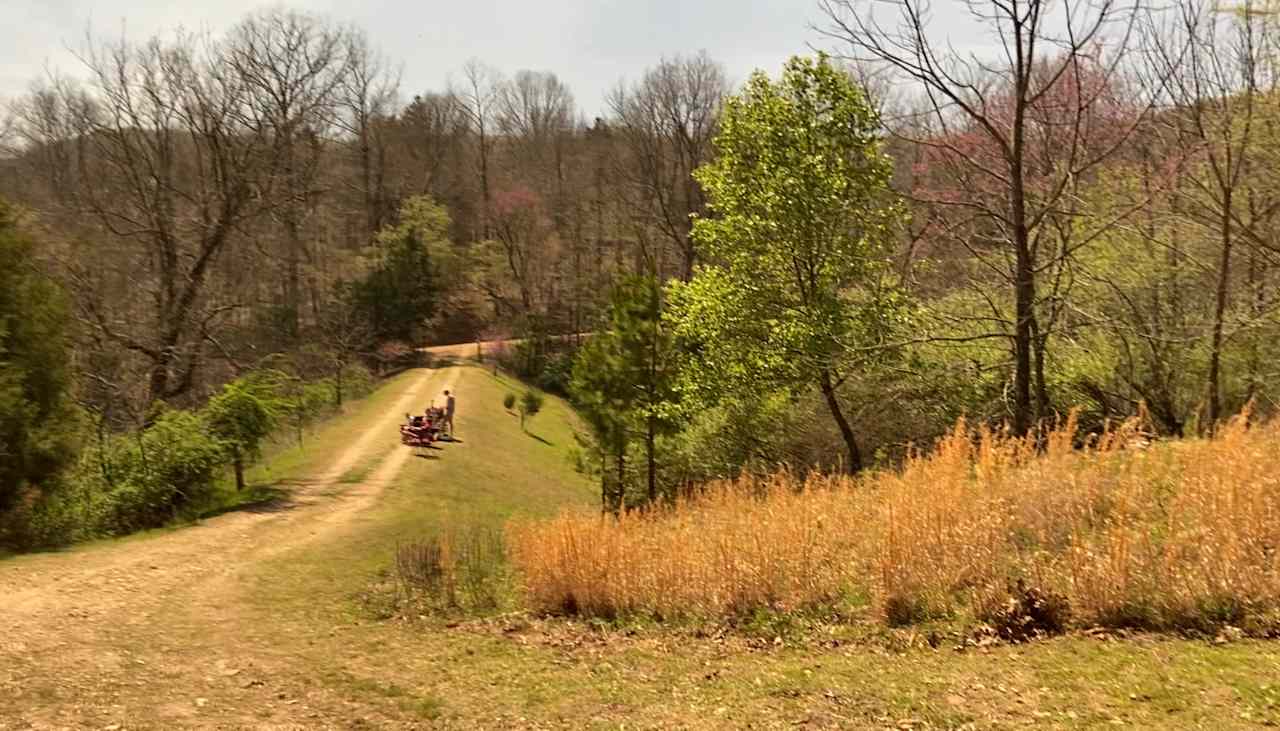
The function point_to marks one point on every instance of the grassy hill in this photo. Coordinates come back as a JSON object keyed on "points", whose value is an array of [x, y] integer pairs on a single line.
{"points": [[278, 616], [518, 671]]}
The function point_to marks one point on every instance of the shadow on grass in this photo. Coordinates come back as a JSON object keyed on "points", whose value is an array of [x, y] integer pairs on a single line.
{"points": [[544, 441], [7, 554], [427, 456], [257, 499]]}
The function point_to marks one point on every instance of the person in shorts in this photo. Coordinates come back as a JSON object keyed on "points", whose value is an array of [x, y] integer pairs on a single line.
{"points": [[449, 405]]}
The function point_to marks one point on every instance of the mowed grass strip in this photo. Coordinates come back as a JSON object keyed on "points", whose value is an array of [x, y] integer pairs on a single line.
{"points": [[494, 472], [288, 460]]}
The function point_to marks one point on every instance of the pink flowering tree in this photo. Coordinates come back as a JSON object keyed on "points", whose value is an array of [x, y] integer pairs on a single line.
{"points": [[1003, 146]]}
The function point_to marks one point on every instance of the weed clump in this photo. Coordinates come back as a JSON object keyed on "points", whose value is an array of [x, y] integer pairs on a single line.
{"points": [[461, 570], [903, 610], [1028, 613]]}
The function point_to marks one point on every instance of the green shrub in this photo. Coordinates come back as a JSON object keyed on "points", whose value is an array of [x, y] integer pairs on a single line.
{"points": [[144, 479], [557, 371], [318, 398], [530, 405], [302, 403], [357, 381], [509, 401], [242, 416], [149, 477], [36, 519]]}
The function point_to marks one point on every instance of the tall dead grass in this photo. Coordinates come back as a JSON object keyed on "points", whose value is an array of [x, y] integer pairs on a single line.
{"points": [[1171, 535]]}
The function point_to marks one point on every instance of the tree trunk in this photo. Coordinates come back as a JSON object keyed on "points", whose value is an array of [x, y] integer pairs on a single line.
{"points": [[366, 170], [846, 431], [157, 384], [1258, 301], [293, 237], [1024, 318], [1219, 315], [604, 483], [337, 386], [293, 285], [103, 462], [653, 464], [620, 498], [484, 183], [238, 462], [1038, 357], [1024, 266]]}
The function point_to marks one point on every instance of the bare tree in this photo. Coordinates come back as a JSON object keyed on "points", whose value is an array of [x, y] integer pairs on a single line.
{"points": [[1221, 88], [345, 335], [523, 233], [478, 94], [536, 116], [535, 106], [293, 66], [8, 146], [430, 130], [40, 131], [366, 98], [984, 120], [170, 166], [667, 122]]}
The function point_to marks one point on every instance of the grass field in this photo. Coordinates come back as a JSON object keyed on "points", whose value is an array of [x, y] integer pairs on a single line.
{"points": [[494, 472], [515, 670], [287, 636]]}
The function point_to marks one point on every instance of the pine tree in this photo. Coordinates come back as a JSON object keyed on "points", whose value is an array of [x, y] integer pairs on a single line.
{"points": [[37, 420], [624, 378]]}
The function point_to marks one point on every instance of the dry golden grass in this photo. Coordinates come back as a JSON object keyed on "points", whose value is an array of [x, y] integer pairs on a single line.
{"points": [[1173, 535]]}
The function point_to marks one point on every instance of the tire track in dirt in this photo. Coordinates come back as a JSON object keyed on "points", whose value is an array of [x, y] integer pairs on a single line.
{"points": [[96, 567], [366, 443], [75, 628]]}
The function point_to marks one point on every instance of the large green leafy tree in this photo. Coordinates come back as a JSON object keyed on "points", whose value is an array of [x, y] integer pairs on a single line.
{"points": [[625, 375], [36, 418], [793, 296], [412, 265]]}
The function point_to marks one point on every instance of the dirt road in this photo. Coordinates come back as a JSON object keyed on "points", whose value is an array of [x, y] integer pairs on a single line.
{"points": [[153, 632], [469, 350]]}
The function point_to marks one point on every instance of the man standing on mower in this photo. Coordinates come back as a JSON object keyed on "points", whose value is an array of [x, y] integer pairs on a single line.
{"points": [[448, 411]]}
